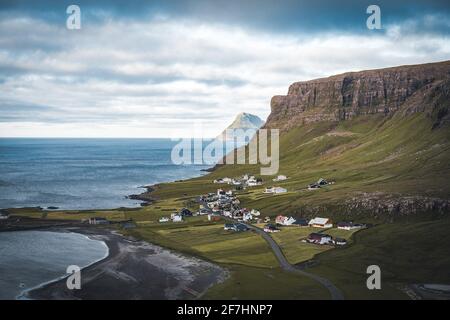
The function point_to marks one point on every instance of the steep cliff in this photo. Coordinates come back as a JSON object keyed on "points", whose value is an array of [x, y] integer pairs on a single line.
{"points": [[417, 88]]}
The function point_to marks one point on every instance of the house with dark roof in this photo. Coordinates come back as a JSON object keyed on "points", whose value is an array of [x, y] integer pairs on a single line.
{"points": [[340, 241], [301, 222], [270, 228], [319, 238]]}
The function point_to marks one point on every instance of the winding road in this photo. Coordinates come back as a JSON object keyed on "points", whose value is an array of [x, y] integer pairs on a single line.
{"points": [[335, 293]]}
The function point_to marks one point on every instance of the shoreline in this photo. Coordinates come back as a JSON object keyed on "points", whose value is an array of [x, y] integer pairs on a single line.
{"points": [[132, 269], [25, 293]]}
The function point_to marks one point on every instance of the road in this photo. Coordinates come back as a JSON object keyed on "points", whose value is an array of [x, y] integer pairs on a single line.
{"points": [[335, 293]]}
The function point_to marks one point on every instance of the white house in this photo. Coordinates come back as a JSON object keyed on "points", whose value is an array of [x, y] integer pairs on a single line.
{"points": [[227, 213], [247, 216], [275, 190], [4, 215], [98, 220], [255, 213], [280, 178], [236, 182], [320, 223], [252, 182], [348, 225], [279, 190], [285, 221], [177, 218], [164, 219]]}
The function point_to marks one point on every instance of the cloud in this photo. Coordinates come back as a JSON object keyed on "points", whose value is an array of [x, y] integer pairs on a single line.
{"points": [[158, 76]]}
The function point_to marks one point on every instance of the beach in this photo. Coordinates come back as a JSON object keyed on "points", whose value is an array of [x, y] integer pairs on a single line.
{"points": [[133, 270]]}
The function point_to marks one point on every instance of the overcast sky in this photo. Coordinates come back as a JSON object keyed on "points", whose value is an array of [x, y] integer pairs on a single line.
{"points": [[160, 68]]}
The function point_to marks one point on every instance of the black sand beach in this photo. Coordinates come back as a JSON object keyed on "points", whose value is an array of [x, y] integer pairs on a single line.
{"points": [[135, 270]]}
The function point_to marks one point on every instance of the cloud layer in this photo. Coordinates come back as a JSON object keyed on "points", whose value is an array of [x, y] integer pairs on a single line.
{"points": [[157, 76]]}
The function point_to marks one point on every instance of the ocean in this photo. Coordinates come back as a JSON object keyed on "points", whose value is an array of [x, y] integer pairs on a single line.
{"points": [[76, 174], [31, 258]]}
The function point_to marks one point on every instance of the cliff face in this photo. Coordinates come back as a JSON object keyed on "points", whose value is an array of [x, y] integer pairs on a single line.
{"points": [[418, 88]]}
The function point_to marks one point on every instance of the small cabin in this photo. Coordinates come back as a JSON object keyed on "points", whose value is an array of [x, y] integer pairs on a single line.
{"points": [[98, 220]]}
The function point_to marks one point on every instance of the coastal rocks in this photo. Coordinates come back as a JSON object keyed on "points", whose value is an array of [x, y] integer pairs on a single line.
{"points": [[412, 88], [145, 197]]}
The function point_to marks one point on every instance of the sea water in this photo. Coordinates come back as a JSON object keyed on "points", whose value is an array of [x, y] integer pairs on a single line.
{"points": [[84, 173], [31, 258]]}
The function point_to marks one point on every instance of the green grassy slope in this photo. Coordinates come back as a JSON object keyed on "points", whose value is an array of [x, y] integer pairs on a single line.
{"points": [[399, 156]]}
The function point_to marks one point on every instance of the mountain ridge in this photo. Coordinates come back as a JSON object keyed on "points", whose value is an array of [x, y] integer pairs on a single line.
{"points": [[350, 94]]}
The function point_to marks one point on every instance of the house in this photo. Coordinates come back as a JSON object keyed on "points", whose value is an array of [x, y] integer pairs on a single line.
{"points": [[322, 182], [340, 242], [220, 192], [228, 226], [203, 211], [301, 222], [283, 220], [255, 213], [212, 204], [252, 182], [177, 218], [163, 220], [271, 228], [186, 212], [98, 220], [267, 219], [313, 186], [280, 178], [321, 223], [213, 217], [247, 216], [222, 180], [229, 193], [4, 215], [319, 238], [227, 213], [268, 190], [236, 182], [275, 190], [279, 190], [344, 225]]}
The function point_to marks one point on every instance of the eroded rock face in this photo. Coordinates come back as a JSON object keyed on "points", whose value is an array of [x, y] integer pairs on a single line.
{"points": [[413, 88]]}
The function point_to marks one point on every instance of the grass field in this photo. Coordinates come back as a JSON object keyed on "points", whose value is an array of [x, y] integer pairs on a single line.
{"points": [[297, 251], [407, 253]]}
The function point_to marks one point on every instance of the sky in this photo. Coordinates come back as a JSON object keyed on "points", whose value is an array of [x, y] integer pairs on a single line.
{"points": [[187, 68]]}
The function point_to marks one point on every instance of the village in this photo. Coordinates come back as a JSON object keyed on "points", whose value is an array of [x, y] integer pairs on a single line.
{"points": [[225, 205]]}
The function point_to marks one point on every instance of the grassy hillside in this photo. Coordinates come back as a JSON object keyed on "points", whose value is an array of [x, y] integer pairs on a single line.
{"points": [[371, 158]]}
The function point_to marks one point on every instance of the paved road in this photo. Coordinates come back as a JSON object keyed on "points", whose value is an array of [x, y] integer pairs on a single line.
{"points": [[335, 293]]}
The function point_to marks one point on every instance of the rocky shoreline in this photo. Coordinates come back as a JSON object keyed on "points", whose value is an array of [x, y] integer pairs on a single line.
{"points": [[145, 196]]}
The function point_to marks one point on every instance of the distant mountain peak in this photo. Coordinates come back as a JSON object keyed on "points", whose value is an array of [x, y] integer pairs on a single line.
{"points": [[243, 121]]}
